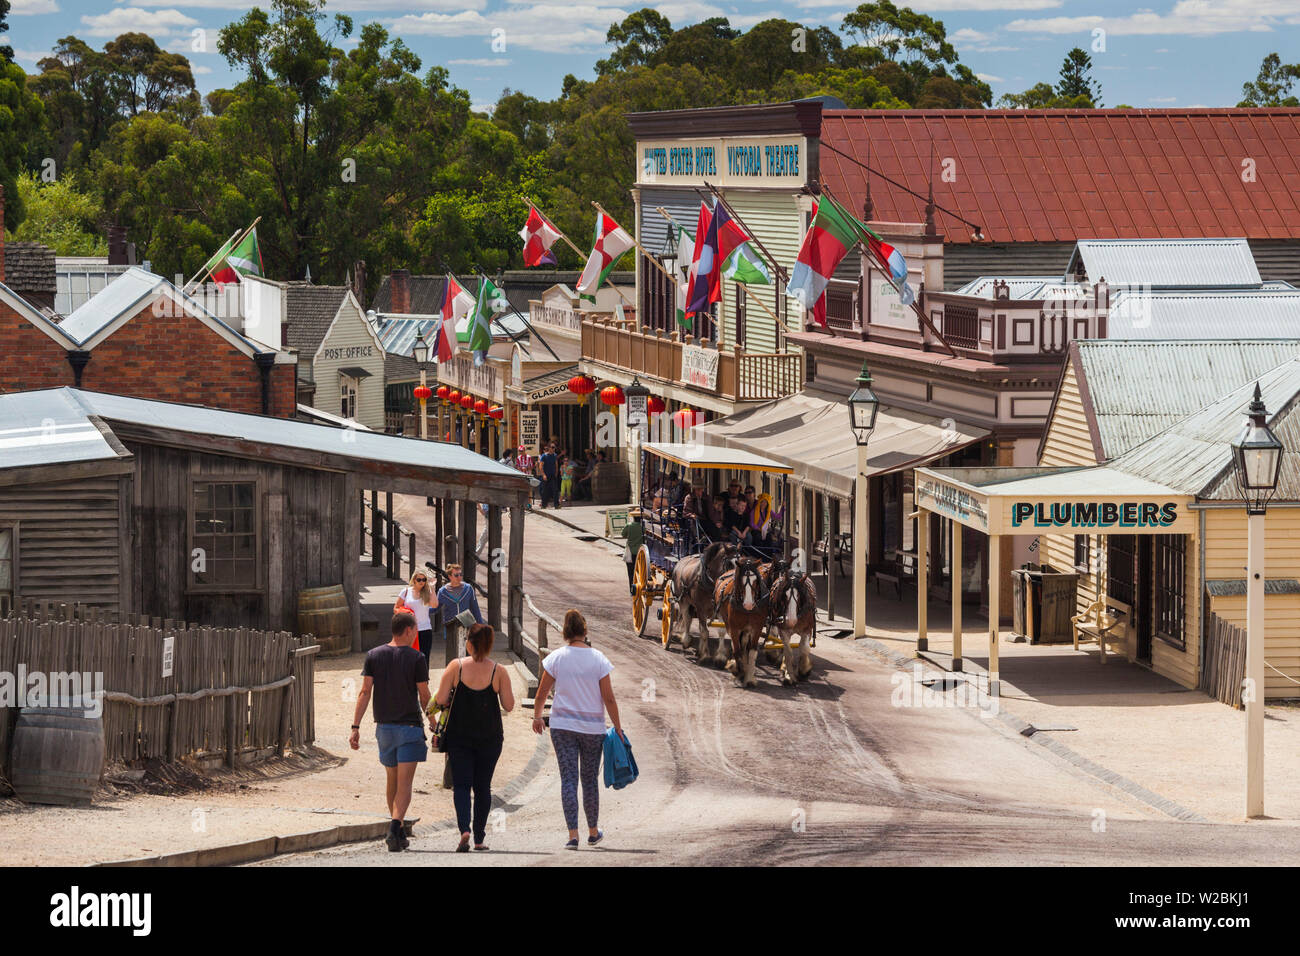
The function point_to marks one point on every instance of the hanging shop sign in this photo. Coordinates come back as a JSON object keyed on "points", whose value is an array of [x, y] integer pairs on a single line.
{"points": [[733, 161], [530, 428], [1090, 515], [700, 366]]}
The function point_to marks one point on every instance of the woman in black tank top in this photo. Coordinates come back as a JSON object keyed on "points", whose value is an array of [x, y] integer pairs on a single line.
{"points": [[474, 732]]}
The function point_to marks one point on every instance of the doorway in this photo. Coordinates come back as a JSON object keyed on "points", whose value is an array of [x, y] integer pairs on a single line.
{"points": [[1129, 579]]}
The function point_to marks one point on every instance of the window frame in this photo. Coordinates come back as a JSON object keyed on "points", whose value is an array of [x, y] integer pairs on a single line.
{"points": [[349, 391], [1086, 541], [14, 595], [259, 576], [1169, 554]]}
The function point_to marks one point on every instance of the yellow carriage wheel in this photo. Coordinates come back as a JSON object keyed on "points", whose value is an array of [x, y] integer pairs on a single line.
{"points": [[643, 596], [666, 625]]}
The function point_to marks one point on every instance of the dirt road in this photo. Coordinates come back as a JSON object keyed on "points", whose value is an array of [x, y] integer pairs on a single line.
{"points": [[831, 771]]}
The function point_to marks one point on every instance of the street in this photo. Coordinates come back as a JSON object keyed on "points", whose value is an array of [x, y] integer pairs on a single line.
{"points": [[830, 771]]}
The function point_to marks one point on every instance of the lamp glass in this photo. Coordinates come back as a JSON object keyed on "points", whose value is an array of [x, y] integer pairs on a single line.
{"points": [[420, 350], [863, 406]]}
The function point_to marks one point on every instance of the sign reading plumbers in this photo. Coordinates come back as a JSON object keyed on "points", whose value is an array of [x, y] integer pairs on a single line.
{"points": [[1091, 514], [736, 161]]}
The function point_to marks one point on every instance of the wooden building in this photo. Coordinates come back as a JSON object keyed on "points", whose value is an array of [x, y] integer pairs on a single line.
{"points": [[213, 517]]}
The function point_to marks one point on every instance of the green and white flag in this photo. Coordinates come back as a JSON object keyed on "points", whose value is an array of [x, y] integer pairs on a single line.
{"points": [[746, 267], [685, 256], [480, 325]]}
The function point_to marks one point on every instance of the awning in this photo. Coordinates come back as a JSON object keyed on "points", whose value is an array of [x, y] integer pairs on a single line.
{"points": [[810, 432], [354, 371], [692, 455], [552, 387]]}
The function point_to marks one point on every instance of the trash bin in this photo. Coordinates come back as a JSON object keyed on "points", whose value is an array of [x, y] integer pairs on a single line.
{"points": [[1044, 600]]}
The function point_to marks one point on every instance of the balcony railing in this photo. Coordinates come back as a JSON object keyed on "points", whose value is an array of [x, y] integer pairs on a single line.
{"points": [[742, 376]]}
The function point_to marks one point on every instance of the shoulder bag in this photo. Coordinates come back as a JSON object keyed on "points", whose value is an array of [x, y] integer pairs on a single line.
{"points": [[440, 716]]}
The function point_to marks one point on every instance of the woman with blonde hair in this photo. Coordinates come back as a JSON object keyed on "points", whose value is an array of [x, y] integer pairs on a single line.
{"points": [[583, 693], [417, 598], [474, 730]]}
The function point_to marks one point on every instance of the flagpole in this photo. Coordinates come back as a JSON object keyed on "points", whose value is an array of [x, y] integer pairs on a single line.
{"points": [[528, 325], [224, 247], [232, 245], [863, 231], [658, 265], [757, 241], [777, 319], [581, 255]]}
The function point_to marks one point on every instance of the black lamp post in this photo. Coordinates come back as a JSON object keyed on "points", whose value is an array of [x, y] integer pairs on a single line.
{"points": [[863, 406], [1257, 455], [420, 352]]}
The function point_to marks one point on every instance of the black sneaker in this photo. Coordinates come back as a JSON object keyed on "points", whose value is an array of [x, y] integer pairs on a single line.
{"points": [[396, 840]]}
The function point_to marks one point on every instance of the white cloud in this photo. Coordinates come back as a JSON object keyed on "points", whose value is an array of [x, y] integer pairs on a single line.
{"points": [[132, 19], [955, 6], [28, 56], [1163, 99], [1186, 17], [30, 8], [334, 6], [549, 27], [481, 61], [978, 41], [989, 78], [200, 70]]}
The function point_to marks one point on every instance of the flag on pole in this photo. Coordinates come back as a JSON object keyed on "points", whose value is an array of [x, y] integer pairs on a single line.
{"points": [[894, 265], [746, 267], [685, 256], [538, 235], [608, 246], [456, 302], [245, 258], [491, 300], [702, 286], [831, 235]]}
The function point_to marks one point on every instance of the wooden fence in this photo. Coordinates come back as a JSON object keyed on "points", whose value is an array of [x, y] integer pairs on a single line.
{"points": [[234, 693], [1223, 661]]}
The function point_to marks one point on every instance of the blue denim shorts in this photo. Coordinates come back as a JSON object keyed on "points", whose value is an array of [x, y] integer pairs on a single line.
{"points": [[400, 743]]}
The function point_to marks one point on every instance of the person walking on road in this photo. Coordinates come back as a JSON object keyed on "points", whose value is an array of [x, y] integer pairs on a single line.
{"points": [[454, 598], [397, 676], [474, 731], [417, 598], [550, 466], [634, 531], [583, 693]]}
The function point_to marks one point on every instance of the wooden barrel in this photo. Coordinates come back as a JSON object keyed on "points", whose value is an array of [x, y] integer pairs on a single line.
{"points": [[324, 613], [57, 756]]}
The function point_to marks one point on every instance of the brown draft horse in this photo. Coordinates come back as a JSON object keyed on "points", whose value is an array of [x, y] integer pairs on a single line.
{"points": [[741, 600], [693, 581], [793, 601]]}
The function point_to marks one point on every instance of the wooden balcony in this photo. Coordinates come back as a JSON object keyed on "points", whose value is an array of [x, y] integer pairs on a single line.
{"points": [[741, 376]]}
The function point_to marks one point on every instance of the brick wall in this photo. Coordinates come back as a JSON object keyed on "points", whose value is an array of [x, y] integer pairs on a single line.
{"points": [[166, 358], [29, 359]]}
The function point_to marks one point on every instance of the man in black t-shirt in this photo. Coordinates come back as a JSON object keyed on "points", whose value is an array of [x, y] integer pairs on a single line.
{"points": [[550, 477], [396, 674]]}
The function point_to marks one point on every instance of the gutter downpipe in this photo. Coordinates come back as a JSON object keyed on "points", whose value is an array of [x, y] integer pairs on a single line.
{"points": [[265, 361]]}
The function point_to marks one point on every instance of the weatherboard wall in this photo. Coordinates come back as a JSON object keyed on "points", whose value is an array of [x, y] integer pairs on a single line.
{"points": [[350, 342]]}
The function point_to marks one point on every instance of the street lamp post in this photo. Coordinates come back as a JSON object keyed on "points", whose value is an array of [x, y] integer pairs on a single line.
{"points": [[637, 395], [1258, 459], [420, 352], [863, 406]]}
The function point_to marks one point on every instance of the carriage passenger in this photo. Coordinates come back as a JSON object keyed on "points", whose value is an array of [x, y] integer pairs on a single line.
{"points": [[736, 524]]}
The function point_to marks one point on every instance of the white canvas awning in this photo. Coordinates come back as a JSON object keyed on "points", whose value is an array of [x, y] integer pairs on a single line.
{"points": [[810, 432], [692, 455]]}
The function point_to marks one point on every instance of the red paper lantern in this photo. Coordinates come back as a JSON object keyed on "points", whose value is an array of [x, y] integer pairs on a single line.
{"points": [[582, 386], [654, 404], [453, 396], [442, 392], [687, 418], [480, 406], [613, 395], [467, 401], [423, 391], [497, 412]]}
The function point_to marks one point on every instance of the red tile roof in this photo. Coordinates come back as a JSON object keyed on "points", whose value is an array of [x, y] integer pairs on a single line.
{"points": [[1062, 175]]}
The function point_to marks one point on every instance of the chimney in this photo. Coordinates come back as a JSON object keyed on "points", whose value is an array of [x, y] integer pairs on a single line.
{"points": [[2, 234], [359, 282], [117, 246], [400, 292]]}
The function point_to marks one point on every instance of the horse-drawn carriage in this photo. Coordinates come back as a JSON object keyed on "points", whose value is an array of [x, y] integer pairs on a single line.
{"points": [[687, 565]]}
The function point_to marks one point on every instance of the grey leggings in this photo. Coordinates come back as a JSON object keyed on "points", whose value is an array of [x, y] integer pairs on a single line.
{"points": [[579, 755]]}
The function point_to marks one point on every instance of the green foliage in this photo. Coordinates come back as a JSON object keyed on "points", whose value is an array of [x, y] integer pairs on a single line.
{"points": [[1272, 85], [1076, 79], [1043, 96], [61, 215], [21, 115]]}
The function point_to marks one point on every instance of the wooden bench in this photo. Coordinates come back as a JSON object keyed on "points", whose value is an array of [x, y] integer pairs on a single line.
{"points": [[900, 571], [842, 549], [1106, 621]]}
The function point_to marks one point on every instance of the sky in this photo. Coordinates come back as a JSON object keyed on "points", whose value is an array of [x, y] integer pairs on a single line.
{"points": [[1174, 53]]}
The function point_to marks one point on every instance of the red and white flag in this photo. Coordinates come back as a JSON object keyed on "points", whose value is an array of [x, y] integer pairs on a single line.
{"points": [[538, 235], [608, 246], [456, 304]]}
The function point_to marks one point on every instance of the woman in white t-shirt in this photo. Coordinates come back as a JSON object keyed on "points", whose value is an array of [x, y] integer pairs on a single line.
{"points": [[583, 693], [417, 598]]}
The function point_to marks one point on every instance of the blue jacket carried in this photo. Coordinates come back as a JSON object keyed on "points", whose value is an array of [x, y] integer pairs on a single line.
{"points": [[620, 765]]}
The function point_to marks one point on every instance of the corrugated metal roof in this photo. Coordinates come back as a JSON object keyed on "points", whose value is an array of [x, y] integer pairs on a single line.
{"points": [[47, 428], [72, 408], [1018, 286], [1167, 263], [1194, 456], [1052, 175], [1140, 388], [397, 332], [1206, 314]]}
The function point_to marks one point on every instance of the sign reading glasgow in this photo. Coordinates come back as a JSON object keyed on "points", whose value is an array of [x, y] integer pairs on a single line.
{"points": [[1091, 514]]}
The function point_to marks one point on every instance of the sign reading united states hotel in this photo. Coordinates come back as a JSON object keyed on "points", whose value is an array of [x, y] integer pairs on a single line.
{"points": [[732, 161]]}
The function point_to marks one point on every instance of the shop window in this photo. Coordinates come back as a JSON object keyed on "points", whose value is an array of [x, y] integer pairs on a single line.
{"points": [[225, 535], [8, 569], [348, 396], [1171, 583], [1082, 552]]}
